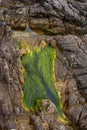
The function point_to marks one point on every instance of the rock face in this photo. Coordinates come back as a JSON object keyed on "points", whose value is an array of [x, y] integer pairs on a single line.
{"points": [[10, 80], [12, 115], [57, 16], [47, 119], [71, 76], [68, 18]]}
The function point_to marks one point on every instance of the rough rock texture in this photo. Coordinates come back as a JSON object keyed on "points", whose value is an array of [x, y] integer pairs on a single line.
{"points": [[47, 119], [71, 73], [66, 17], [58, 16], [11, 80], [12, 115]]}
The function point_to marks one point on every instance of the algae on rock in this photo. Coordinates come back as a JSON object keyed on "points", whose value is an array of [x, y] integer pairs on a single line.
{"points": [[39, 77]]}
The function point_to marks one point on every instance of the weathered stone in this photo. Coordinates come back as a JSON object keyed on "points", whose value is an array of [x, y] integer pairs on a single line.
{"points": [[47, 119], [60, 17], [50, 17]]}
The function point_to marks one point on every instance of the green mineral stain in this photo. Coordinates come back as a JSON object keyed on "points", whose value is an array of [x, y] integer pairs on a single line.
{"points": [[39, 77]]}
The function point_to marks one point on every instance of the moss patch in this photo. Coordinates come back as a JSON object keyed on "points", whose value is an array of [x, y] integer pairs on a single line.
{"points": [[38, 75], [39, 78]]}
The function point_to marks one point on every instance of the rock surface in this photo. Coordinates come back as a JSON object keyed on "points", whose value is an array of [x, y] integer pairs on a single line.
{"points": [[72, 76], [12, 115], [57, 16], [68, 18]]}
